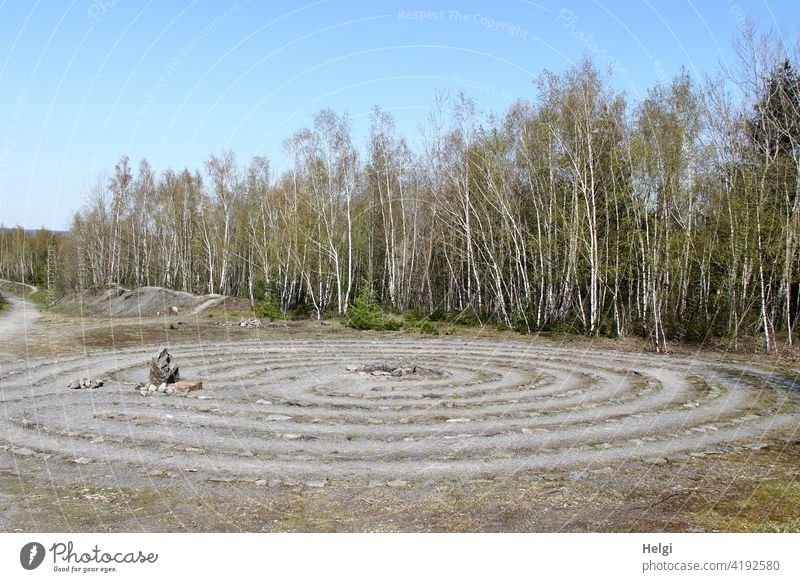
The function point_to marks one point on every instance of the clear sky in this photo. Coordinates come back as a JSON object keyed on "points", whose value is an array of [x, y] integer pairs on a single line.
{"points": [[82, 82]]}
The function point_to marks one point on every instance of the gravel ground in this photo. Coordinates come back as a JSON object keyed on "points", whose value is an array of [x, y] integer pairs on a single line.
{"points": [[312, 413]]}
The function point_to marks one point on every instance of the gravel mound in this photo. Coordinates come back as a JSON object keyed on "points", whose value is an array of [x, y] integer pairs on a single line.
{"points": [[144, 301]]}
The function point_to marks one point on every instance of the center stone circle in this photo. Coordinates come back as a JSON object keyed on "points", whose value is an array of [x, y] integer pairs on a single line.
{"points": [[403, 369]]}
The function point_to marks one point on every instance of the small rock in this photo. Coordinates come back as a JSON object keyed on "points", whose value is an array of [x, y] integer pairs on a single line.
{"points": [[351, 368], [397, 483], [293, 437], [316, 484], [677, 457], [261, 482], [655, 461], [374, 483], [23, 452], [278, 417], [162, 387], [173, 310], [756, 446], [152, 388], [459, 420], [186, 386], [75, 384], [264, 402], [169, 390], [81, 461], [221, 479]]}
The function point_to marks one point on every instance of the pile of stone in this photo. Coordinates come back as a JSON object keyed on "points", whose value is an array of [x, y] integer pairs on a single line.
{"points": [[251, 323], [165, 377], [85, 383], [396, 369]]}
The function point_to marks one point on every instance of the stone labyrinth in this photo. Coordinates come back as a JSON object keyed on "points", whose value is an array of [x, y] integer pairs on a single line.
{"points": [[325, 410]]}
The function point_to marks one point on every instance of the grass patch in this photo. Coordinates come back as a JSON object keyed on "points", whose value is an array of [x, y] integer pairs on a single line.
{"points": [[771, 506], [4, 304]]}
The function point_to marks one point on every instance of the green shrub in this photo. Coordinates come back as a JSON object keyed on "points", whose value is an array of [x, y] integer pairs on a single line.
{"points": [[437, 315], [365, 314], [467, 317], [302, 311], [267, 308], [429, 328], [414, 316], [607, 329], [503, 326]]}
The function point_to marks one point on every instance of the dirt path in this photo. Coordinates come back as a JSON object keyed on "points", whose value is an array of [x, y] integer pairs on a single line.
{"points": [[15, 323]]}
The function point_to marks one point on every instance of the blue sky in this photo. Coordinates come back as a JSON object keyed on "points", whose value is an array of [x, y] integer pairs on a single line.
{"points": [[82, 82]]}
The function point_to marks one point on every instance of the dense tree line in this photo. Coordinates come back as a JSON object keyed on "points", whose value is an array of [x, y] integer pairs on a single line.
{"points": [[674, 218]]}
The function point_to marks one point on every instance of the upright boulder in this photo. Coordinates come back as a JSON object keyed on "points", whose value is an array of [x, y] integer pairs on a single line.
{"points": [[163, 368]]}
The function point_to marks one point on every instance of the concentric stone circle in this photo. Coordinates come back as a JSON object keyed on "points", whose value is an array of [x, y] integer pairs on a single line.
{"points": [[303, 410]]}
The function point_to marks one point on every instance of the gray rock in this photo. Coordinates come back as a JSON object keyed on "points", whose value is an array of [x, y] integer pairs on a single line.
{"points": [[677, 457], [316, 484], [163, 368], [169, 390], [75, 384], [162, 387], [655, 461], [756, 446], [81, 461], [23, 452], [397, 483]]}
